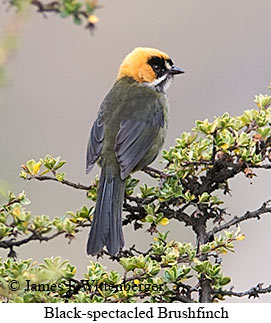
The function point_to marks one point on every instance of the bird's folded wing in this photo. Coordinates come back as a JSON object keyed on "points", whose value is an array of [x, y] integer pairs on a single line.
{"points": [[95, 144], [135, 138]]}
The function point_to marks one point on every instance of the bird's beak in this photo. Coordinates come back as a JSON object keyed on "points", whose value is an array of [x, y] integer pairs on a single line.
{"points": [[176, 70]]}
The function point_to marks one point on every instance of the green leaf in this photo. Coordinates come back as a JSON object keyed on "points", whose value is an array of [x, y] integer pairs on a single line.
{"points": [[30, 165], [264, 131], [243, 139], [77, 20], [204, 197], [128, 263], [147, 191], [60, 176], [23, 174], [224, 281], [150, 218], [263, 101]]}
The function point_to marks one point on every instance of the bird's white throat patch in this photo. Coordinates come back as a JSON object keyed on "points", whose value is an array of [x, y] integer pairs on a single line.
{"points": [[161, 84]]}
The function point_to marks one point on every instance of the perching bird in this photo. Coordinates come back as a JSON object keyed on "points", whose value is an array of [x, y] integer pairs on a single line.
{"points": [[127, 136]]}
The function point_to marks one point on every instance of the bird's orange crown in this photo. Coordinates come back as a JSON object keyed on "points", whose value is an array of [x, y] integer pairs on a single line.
{"points": [[136, 65]]}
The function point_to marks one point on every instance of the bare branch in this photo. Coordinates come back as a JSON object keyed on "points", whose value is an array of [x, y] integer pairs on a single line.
{"points": [[252, 292], [238, 219], [53, 6], [221, 171], [138, 212], [264, 166], [7, 244], [154, 172], [56, 6], [64, 182]]}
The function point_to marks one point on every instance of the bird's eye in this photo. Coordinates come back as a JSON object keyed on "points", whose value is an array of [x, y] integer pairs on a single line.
{"points": [[156, 68]]}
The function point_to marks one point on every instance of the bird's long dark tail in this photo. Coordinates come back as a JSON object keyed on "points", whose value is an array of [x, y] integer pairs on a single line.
{"points": [[106, 229]]}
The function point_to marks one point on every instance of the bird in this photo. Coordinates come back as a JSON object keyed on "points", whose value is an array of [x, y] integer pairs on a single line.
{"points": [[127, 135]]}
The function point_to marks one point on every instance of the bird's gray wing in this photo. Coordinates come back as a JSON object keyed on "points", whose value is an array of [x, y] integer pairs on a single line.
{"points": [[95, 143], [135, 138]]}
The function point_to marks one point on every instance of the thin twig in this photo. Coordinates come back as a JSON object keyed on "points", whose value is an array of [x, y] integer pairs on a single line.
{"points": [[64, 182], [264, 166], [153, 172], [6, 244], [238, 219], [252, 292]]}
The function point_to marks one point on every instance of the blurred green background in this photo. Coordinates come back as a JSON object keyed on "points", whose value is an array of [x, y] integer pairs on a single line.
{"points": [[61, 73]]}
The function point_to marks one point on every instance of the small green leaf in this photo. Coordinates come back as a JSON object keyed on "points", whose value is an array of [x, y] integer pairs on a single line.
{"points": [[60, 176], [224, 281]]}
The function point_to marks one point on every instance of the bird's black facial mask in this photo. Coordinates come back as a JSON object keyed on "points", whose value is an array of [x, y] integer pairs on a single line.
{"points": [[159, 65]]}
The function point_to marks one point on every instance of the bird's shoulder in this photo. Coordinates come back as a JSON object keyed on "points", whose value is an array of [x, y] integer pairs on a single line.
{"points": [[132, 99]]}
